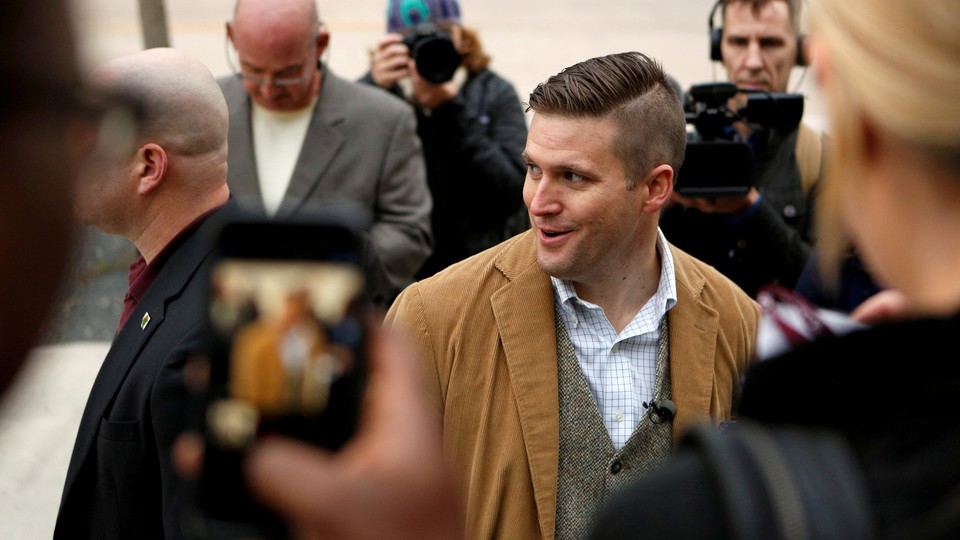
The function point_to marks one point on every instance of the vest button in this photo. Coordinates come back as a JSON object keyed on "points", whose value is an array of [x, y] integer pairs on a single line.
{"points": [[615, 467]]}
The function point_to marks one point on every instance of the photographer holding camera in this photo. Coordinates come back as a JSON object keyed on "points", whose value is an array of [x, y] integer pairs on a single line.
{"points": [[764, 233], [469, 119]]}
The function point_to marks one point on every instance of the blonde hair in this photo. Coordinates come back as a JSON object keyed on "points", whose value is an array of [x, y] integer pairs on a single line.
{"points": [[896, 64]]}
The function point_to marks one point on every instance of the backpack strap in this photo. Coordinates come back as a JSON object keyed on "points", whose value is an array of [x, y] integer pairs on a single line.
{"points": [[809, 153], [784, 483]]}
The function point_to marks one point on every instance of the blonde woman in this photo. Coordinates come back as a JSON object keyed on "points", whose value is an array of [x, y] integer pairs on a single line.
{"points": [[874, 412]]}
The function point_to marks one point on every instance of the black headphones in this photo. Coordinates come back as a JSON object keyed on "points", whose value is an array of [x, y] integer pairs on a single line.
{"points": [[716, 38]]}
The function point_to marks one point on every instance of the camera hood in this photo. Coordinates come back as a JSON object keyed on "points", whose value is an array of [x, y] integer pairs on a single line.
{"points": [[433, 51]]}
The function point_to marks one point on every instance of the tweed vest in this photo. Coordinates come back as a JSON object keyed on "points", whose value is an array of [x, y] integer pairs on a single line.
{"points": [[590, 470]]}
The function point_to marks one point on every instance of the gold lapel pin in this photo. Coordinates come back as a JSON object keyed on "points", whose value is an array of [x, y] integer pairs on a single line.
{"points": [[144, 320]]}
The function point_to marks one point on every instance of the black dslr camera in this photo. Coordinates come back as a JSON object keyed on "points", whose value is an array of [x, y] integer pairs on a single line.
{"points": [[717, 164], [432, 49]]}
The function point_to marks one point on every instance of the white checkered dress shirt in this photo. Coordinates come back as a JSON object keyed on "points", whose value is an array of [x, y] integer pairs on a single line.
{"points": [[620, 369]]}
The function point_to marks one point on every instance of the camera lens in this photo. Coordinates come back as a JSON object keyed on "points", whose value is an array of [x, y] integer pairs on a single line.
{"points": [[433, 51]]}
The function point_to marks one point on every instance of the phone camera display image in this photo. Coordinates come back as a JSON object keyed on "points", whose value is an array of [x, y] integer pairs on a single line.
{"points": [[291, 342], [287, 357]]}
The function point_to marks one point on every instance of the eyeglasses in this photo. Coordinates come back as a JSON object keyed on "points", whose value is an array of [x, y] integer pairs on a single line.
{"points": [[120, 117], [38, 95], [105, 121], [272, 79]]}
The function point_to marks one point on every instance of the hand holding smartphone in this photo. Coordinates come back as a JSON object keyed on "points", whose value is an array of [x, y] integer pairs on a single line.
{"points": [[287, 356]]}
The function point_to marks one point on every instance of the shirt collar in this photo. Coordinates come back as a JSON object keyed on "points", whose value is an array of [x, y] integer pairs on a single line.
{"points": [[145, 277], [665, 297], [667, 289]]}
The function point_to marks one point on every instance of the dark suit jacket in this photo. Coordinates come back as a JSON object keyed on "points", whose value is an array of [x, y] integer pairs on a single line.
{"points": [[120, 483], [362, 147]]}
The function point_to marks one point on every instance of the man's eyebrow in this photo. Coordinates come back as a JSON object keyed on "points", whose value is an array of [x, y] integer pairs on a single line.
{"points": [[252, 67], [566, 167], [574, 168], [772, 40]]}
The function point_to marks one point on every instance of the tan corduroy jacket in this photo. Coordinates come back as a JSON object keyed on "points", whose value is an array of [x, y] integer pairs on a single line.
{"points": [[485, 330]]}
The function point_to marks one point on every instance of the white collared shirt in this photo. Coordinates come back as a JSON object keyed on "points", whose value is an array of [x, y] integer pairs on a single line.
{"points": [[620, 369]]}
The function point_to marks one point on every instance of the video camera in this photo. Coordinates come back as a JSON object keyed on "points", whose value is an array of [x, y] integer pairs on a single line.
{"points": [[717, 164], [432, 49]]}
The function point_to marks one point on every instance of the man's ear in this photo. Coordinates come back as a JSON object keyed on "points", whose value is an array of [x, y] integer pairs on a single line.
{"points": [[323, 40], [230, 33], [659, 184], [152, 165]]}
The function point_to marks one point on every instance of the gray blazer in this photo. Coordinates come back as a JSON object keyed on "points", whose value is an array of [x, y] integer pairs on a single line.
{"points": [[362, 147]]}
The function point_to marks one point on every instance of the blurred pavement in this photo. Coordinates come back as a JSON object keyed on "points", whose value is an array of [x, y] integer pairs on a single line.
{"points": [[528, 41], [38, 423]]}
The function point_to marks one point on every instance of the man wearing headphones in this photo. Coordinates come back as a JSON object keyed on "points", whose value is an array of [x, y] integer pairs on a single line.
{"points": [[765, 235]]}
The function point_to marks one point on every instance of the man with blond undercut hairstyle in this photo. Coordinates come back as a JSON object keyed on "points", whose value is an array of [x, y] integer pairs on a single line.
{"points": [[566, 361]]}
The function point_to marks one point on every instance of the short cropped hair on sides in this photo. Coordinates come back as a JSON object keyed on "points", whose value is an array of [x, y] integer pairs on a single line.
{"points": [[630, 89]]}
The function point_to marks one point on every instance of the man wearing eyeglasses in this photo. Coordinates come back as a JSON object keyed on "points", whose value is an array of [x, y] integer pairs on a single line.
{"points": [[301, 138]]}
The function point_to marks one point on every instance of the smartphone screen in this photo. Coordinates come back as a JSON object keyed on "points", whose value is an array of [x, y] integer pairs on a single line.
{"points": [[287, 314]]}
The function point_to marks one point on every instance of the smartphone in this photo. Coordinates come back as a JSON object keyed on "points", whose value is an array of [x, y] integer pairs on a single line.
{"points": [[287, 356]]}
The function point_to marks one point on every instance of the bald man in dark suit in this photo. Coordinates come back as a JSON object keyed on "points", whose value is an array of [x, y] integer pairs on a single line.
{"points": [[167, 193]]}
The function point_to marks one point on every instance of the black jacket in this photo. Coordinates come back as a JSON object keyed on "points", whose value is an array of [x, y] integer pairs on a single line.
{"points": [[473, 145], [120, 482]]}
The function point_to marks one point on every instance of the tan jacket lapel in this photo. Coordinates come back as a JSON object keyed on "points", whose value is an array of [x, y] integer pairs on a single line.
{"points": [[524, 311], [693, 338]]}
